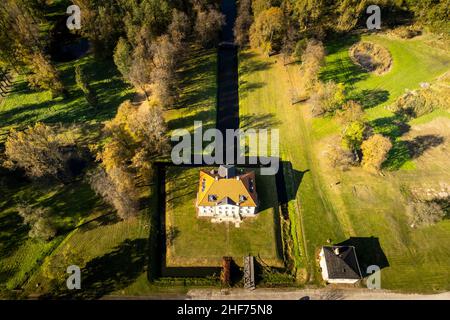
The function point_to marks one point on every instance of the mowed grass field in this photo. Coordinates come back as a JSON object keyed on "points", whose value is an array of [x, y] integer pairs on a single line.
{"points": [[197, 101], [198, 242], [99, 242], [20, 256], [365, 209]]}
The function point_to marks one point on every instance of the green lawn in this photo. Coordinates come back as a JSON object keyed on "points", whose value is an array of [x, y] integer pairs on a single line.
{"points": [[24, 107], [197, 102], [362, 205], [20, 256], [104, 242], [111, 254], [198, 242]]}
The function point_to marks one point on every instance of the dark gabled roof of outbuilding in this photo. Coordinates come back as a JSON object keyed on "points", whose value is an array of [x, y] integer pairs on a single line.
{"points": [[343, 265]]}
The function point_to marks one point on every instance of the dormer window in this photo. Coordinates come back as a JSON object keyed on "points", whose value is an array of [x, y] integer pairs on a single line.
{"points": [[203, 185], [242, 198], [212, 198]]}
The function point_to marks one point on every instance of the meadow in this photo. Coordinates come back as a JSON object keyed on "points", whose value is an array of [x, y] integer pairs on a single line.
{"points": [[356, 207]]}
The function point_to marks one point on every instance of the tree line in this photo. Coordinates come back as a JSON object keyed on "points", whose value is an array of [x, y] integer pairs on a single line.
{"points": [[147, 40]]}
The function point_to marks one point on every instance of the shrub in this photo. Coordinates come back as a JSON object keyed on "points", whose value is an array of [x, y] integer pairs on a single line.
{"points": [[420, 102], [371, 57], [39, 221], [327, 98], [351, 111], [83, 85], [406, 32], [340, 158], [375, 151], [354, 134], [424, 213]]}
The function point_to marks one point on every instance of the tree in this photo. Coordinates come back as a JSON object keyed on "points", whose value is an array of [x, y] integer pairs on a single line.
{"points": [[348, 13], [140, 68], [351, 111], [38, 150], [44, 76], [163, 74], [258, 6], [339, 158], [179, 28], [83, 84], [122, 58], [354, 135], [207, 26], [39, 220], [267, 30], [375, 150], [312, 60], [124, 201], [422, 214], [102, 24], [243, 23], [327, 98], [136, 138]]}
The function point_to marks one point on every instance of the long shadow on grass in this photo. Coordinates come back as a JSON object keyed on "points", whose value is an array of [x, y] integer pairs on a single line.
{"points": [[406, 150], [368, 252], [111, 272], [342, 70], [197, 80], [104, 79], [370, 98], [13, 234]]}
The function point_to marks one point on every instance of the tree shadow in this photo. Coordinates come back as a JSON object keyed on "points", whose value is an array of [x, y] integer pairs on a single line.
{"points": [[259, 121], [198, 82], [111, 272], [182, 122], [370, 98], [420, 144], [104, 79], [406, 150], [246, 87], [368, 252], [342, 70], [249, 63], [13, 234], [392, 127]]}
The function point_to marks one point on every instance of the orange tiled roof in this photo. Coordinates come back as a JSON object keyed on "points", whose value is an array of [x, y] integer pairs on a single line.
{"points": [[222, 188]]}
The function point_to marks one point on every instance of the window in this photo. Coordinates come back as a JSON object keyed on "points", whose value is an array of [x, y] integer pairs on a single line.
{"points": [[203, 185], [251, 185], [212, 198], [242, 198]]}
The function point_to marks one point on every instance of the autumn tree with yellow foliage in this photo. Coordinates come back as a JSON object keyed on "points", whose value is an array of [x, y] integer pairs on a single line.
{"points": [[375, 150], [137, 136], [266, 33]]}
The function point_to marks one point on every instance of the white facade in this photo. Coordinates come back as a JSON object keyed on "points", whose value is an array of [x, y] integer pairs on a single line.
{"points": [[226, 213]]}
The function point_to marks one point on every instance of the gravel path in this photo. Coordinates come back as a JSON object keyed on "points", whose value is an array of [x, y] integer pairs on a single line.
{"points": [[312, 294]]}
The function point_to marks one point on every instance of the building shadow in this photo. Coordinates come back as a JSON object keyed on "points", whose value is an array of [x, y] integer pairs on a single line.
{"points": [[368, 251]]}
